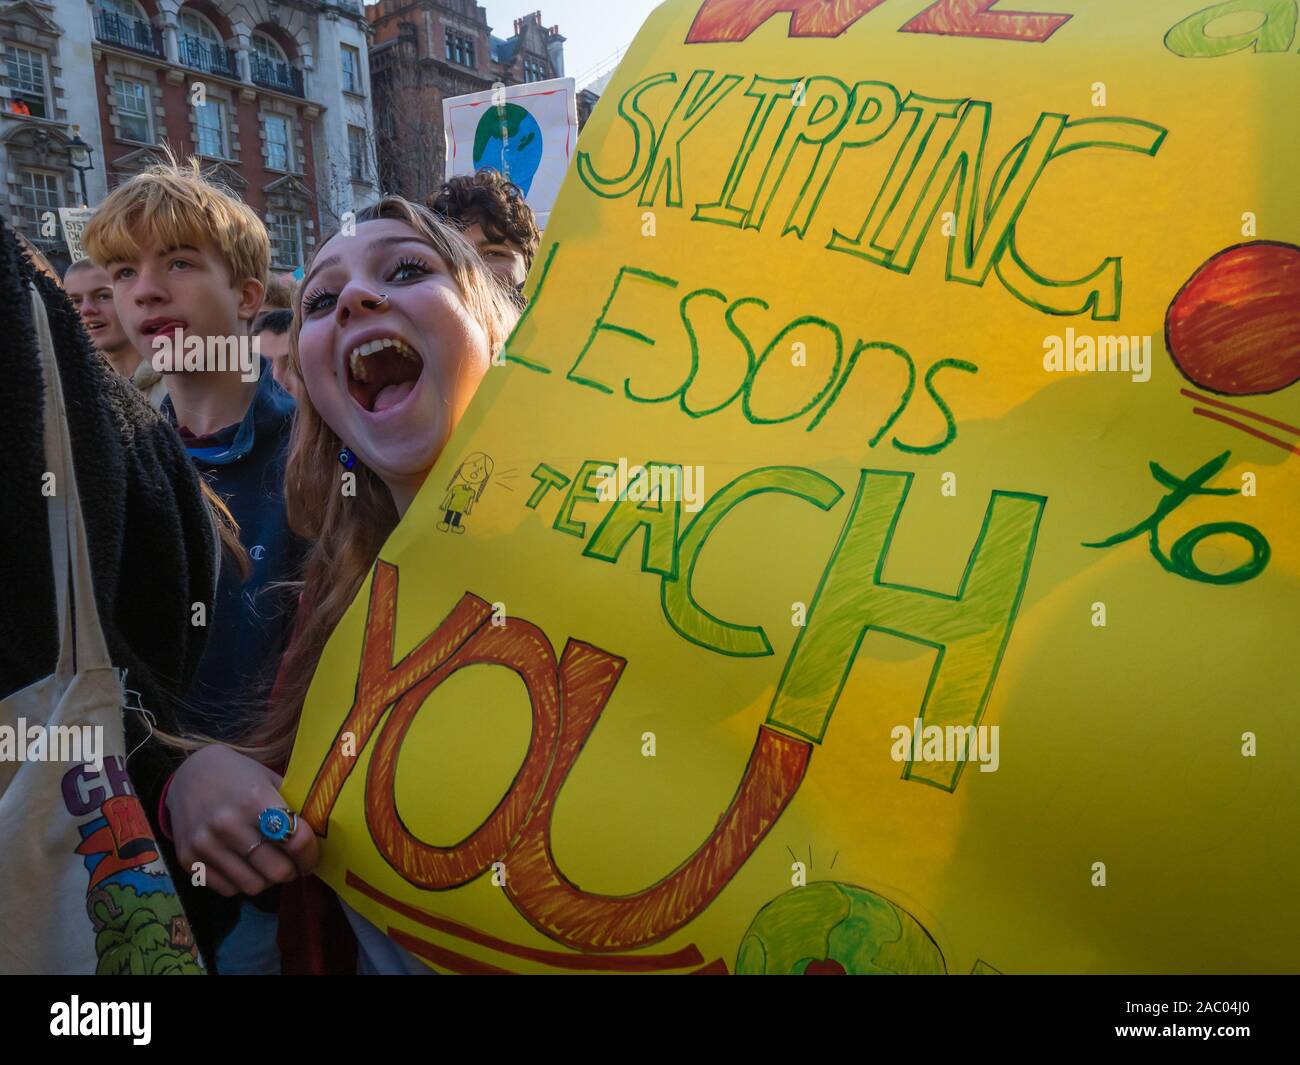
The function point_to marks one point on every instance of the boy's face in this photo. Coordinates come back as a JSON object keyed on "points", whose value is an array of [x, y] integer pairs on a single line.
{"points": [[505, 258], [162, 290], [275, 347], [91, 292]]}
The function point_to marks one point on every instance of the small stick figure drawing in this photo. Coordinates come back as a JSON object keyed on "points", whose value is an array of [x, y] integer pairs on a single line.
{"points": [[464, 490]]}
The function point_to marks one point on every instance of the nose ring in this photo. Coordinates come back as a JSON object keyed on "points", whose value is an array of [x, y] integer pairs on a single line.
{"points": [[379, 302]]}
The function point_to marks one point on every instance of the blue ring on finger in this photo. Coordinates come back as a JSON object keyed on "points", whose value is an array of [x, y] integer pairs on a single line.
{"points": [[277, 823]]}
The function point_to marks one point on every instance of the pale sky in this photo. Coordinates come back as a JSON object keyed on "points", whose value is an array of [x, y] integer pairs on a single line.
{"points": [[595, 31]]}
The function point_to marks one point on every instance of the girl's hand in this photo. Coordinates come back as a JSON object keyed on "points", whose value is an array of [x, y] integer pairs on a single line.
{"points": [[214, 802]]}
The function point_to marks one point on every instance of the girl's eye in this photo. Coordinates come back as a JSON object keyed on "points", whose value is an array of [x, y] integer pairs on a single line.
{"points": [[317, 300], [122, 273], [411, 268], [181, 263]]}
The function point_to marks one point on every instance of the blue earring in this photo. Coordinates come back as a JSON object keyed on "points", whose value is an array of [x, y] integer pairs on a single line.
{"points": [[346, 459]]}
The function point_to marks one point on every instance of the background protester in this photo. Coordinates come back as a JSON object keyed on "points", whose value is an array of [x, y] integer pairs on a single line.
{"points": [[189, 262], [409, 280], [273, 328], [493, 215], [91, 291], [279, 293], [152, 541]]}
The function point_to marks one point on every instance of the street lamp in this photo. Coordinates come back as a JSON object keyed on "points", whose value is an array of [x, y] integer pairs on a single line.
{"points": [[80, 153]]}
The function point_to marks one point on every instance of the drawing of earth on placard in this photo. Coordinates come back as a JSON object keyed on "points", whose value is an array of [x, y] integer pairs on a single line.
{"points": [[833, 929], [517, 156]]}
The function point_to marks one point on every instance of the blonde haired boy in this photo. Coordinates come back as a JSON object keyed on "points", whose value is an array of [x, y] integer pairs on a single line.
{"points": [[188, 264]]}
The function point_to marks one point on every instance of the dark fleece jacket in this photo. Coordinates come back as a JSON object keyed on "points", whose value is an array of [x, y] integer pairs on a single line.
{"points": [[152, 550]]}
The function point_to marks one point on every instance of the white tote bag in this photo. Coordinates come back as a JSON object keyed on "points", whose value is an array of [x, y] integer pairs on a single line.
{"points": [[83, 888]]}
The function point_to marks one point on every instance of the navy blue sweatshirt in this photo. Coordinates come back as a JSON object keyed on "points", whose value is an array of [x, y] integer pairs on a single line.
{"points": [[250, 622]]}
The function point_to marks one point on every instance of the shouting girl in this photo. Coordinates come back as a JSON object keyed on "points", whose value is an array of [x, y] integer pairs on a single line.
{"points": [[394, 328]]}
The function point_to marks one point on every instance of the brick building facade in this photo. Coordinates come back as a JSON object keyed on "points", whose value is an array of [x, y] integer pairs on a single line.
{"points": [[426, 50], [272, 96]]}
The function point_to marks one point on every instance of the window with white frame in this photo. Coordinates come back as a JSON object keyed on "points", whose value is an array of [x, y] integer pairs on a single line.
{"points": [[357, 152], [195, 25], [533, 70], [351, 64], [127, 9], [132, 102], [275, 129], [26, 70], [210, 127], [203, 47], [266, 49], [40, 191], [285, 231], [270, 66], [124, 22]]}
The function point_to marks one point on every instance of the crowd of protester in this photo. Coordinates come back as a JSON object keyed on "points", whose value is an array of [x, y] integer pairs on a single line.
{"points": [[222, 488]]}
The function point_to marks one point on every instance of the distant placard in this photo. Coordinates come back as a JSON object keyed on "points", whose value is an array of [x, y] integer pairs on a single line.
{"points": [[74, 220], [528, 132]]}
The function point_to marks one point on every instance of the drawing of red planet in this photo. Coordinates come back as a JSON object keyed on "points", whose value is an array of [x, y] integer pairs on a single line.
{"points": [[1234, 329]]}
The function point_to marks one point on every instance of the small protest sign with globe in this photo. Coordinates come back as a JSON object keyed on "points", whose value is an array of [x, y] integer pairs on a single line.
{"points": [[509, 139]]}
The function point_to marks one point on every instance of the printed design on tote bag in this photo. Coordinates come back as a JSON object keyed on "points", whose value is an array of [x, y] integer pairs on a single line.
{"points": [[140, 927]]}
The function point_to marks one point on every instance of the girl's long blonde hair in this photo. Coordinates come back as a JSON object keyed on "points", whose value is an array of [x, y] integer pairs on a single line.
{"points": [[348, 532]]}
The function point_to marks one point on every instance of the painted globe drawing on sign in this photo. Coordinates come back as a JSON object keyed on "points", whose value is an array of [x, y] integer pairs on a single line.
{"points": [[834, 929], [519, 154]]}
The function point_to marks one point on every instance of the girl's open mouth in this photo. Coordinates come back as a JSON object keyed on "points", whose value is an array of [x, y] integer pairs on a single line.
{"points": [[383, 372]]}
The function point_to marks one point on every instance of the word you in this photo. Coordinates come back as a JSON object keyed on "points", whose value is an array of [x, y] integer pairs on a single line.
{"points": [[52, 743], [568, 693], [946, 743], [657, 483], [1104, 354], [204, 354], [103, 1018]]}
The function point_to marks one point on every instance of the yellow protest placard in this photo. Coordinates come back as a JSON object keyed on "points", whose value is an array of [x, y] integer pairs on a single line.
{"points": [[878, 551]]}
